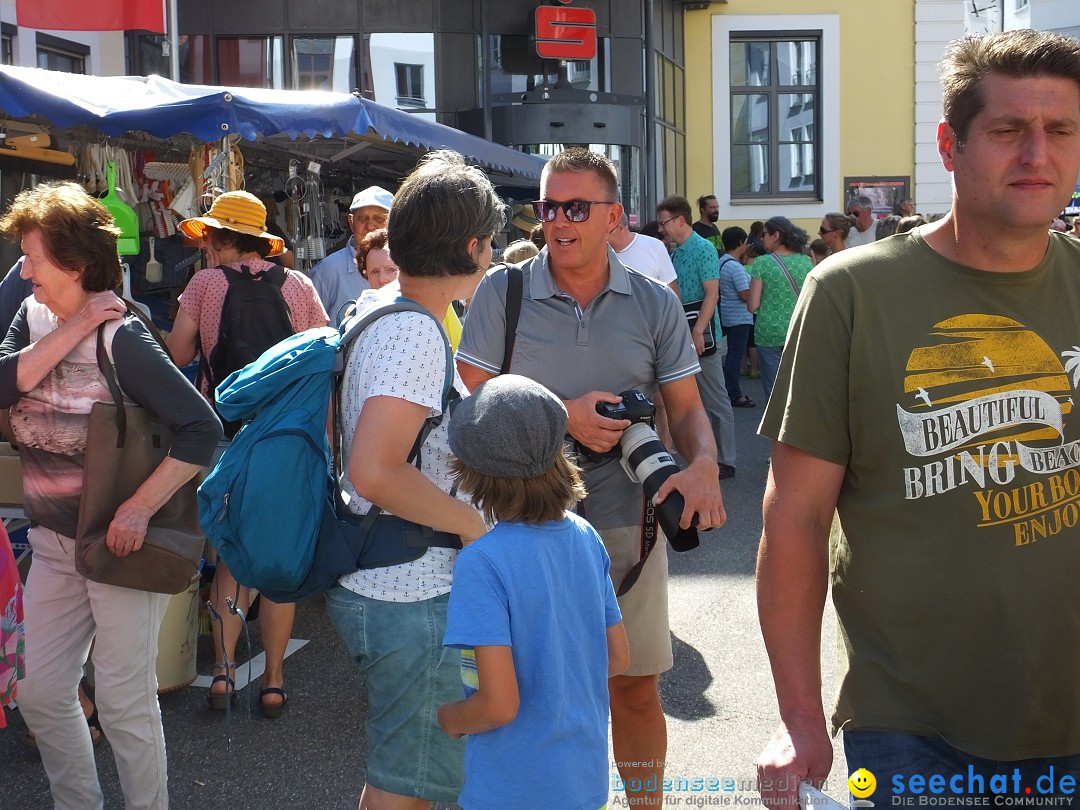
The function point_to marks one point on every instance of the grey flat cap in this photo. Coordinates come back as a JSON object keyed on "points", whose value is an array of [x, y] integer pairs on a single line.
{"points": [[510, 427]]}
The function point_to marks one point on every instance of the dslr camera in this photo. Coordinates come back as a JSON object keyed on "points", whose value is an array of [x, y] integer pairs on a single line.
{"points": [[646, 461]]}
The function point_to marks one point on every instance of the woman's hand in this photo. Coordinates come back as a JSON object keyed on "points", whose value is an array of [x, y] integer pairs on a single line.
{"points": [[39, 358], [98, 308], [127, 531]]}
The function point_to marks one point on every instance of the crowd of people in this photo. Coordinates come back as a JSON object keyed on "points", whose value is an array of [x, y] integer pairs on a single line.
{"points": [[470, 660]]}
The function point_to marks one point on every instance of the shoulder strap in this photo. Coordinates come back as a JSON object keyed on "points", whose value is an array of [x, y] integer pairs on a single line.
{"points": [[352, 327], [350, 330], [515, 292], [787, 274], [105, 364]]}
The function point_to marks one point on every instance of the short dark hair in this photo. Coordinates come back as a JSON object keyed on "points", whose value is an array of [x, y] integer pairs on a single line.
{"points": [[1014, 54], [240, 242], [528, 500], [733, 237], [676, 206], [439, 209], [77, 231], [886, 226], [791, 235], [373, 240], [819, 248], [908, 223], [580, 159], [704, 198]]}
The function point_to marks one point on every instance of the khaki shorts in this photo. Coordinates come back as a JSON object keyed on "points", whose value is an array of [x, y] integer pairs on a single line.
{"points": [[645, 606]]}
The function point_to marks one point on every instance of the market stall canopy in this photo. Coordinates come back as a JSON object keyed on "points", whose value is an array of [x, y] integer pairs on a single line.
{"points": [[334, 126]]}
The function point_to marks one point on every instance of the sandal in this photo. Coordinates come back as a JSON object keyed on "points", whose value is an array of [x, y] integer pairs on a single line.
{"points": [[220, 700], [743, 402], [272, 711], [86, 699]]}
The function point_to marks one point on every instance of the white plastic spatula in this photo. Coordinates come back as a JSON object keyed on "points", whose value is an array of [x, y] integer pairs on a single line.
{"points": [[126, 290], [153, 266]]}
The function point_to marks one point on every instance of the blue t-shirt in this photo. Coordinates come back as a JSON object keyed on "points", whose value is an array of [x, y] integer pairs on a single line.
{"points": [[733, 280], [544, 591]]}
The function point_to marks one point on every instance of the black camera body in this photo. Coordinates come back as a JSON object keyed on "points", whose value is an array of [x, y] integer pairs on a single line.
{"points": [[634, 406], [646, 461]]}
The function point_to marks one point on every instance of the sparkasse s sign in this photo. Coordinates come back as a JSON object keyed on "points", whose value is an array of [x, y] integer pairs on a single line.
{"points": [[562, 31]]}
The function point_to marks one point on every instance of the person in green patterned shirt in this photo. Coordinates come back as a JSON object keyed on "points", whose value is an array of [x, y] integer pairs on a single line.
{"points": [[775, 281]]}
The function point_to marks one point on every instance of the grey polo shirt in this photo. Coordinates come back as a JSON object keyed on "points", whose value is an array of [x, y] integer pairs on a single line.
{"points": [[632, 335]]}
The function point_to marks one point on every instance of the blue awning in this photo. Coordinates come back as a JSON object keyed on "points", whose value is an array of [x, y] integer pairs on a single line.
{"points": [[115, 105], [394, 124]]}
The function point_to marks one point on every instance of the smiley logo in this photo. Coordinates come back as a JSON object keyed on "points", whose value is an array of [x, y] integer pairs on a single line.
{"points": [[862, 783]]}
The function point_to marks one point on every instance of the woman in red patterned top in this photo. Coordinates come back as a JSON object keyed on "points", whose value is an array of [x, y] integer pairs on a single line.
{"points": [[232, 235]]}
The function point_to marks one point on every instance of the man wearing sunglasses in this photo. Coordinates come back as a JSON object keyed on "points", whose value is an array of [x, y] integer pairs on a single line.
{"points": [[589, 329]]}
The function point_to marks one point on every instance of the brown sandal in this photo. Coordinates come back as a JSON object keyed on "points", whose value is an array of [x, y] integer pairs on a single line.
{"points": [[272, 711], [220, 700]]}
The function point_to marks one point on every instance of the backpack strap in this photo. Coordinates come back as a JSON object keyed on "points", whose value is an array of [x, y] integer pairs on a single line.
{"points": [[350, 330], [515, 293], [275, 274]]}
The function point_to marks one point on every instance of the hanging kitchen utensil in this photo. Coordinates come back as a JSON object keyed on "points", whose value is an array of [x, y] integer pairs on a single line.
{"points": [[126, 219], [153, 266]]}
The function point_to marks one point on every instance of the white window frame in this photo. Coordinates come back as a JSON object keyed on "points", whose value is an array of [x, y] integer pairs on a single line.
{"points": [[829, 111]]}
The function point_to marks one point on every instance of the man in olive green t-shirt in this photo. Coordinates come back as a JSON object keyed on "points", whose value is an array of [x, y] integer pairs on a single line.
{"points": [[926, 393]]}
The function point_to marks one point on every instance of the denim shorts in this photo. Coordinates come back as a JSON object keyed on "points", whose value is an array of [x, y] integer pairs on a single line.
{"points": [[409, 674]]}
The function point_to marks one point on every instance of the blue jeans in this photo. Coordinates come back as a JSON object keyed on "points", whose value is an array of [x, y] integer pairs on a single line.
{"points": [[768, 358], [737, 338], [908, 765], [409, 674]]}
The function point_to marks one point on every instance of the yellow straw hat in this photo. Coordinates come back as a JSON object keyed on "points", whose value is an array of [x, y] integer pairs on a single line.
{"points": [[237, 211]]}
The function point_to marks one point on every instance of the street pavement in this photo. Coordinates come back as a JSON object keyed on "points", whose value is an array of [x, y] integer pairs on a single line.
{"points": [[718, 698]]}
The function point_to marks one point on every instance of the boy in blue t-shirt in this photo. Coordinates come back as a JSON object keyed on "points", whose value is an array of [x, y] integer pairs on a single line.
{"points": [[533, 600]]}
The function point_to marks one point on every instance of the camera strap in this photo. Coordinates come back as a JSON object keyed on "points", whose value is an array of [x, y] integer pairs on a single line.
{"points": [[648, 543]]}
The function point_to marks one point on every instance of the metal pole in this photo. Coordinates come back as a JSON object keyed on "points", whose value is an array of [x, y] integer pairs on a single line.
{"points": [[649, 163], [174, 42], [485, 69]]}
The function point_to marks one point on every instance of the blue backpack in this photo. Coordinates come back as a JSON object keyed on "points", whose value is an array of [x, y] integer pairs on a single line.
{"points": [[271, 507]]}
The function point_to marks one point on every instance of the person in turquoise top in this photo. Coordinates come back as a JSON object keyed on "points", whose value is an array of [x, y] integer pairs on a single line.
{"points": [[773, 295], [697, 266]]}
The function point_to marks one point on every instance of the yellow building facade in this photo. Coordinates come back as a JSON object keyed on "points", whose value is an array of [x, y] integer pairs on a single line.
{"points": [[789, 105]]}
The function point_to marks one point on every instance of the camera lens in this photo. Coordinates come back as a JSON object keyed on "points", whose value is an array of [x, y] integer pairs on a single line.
{"points": [[647, 461]]}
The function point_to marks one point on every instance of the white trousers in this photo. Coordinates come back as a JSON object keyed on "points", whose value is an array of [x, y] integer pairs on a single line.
{"points": [[64, 613]]}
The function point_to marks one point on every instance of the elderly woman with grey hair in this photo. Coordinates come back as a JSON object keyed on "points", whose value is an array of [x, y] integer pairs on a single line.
{"points": [[392, 618]]}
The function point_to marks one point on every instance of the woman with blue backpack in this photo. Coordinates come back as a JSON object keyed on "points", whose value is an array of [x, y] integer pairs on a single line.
{"points": [[392, 617], [231, 312]]}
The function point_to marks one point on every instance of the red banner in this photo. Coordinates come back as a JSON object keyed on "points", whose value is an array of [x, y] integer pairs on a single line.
{"points": [[91, 15]]}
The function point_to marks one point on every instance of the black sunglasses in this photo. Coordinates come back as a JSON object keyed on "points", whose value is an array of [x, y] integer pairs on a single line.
{"points": [[573, 210], [823, 231]]}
